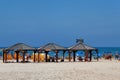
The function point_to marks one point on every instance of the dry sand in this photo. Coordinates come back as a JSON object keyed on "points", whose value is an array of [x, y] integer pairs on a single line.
{"points": [[102, 70]]}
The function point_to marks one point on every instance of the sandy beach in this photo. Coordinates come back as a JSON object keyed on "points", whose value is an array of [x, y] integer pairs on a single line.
{"points": [[102, 70]]}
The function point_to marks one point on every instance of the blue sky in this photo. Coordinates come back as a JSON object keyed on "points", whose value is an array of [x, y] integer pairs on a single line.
{"points": [[37, 22]]}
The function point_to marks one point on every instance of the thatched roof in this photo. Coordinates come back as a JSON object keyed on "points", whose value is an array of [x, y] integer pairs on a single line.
{"points": [[20, 46], [52, 46], [81, 46]]}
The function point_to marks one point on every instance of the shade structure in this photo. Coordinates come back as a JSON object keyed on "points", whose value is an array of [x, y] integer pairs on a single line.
{"points": [[20, 46], [17, 48], [52, 46], [83, 47]]}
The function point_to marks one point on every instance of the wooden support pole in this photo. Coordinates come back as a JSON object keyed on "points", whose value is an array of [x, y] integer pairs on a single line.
{"points": [[69, 52], [34, 55], [56, 55], [90, 56], [17, 58], [39, 55], [97, 55], [46, 53], [74, 56], [23, 52], [63, 55], [86, 55], [6, 57], [3, 56]]}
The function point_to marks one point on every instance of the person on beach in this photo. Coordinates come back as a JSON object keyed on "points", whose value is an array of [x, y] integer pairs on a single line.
{"points": [[53, 59], [62, 59], [108, 56], [80, 58], [116, 56]]}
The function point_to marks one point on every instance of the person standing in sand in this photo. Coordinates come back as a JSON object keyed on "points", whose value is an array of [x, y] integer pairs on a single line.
{"points": [[116, 56], [110, 56]]}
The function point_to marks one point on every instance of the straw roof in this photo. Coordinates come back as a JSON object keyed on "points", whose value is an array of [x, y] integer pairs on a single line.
{"points": [[81, 46], [20, 46], [52, 46]]}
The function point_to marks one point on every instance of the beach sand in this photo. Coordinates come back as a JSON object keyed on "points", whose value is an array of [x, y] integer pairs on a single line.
{"points": [[102, 70]]}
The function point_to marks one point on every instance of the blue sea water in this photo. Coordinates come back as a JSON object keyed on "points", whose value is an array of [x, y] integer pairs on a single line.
{"points": [[101, 50], [112, 50]]}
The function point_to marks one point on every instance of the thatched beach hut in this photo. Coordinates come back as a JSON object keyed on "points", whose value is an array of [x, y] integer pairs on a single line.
{"points": [[17, 48], [80, 46], [52, 47]]}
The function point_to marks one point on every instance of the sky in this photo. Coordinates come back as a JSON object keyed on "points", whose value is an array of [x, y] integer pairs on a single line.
{"points": [[38, 22]]}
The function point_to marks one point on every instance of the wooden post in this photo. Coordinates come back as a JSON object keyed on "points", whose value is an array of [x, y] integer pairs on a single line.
{"points": [[74, 55], [3, 55], [23, 52], [90, 56], [97, 55], [63, 55], [34, 55], [46, 53], [17, 54], [56, 56], [39, 55], [86, 55], [6, 57], [69, 52]]}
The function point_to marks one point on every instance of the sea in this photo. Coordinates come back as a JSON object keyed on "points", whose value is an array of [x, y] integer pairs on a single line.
{"points": [[101, 52]]}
